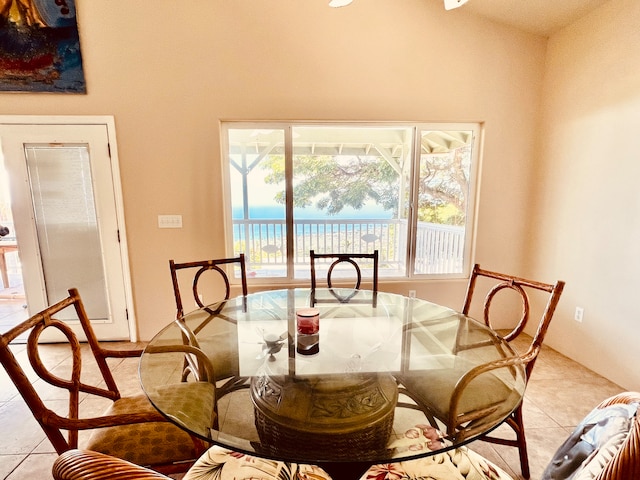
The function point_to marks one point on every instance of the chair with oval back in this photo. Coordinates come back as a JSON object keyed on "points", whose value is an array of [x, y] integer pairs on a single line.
{"points": [[471, 393], [131, 429], [200, 268], [334, 263], [227, 340]]}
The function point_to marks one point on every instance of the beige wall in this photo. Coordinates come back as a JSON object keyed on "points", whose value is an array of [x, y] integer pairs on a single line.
{"points": [[587, 226], [170, 71]]}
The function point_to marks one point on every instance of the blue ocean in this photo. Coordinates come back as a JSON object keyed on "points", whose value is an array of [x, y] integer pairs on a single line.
{"points": [[353, 221], [276, 212]]}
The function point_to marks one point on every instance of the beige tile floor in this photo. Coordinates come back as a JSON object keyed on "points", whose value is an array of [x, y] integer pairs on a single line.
{"points": [[560, 393]]}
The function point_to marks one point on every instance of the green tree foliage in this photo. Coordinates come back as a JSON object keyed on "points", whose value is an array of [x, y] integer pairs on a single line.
{"points": [[444, 187], [333, 183]]}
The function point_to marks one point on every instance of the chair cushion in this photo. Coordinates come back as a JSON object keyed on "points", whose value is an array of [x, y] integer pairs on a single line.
{"points": [[458, 464], [222, 348], [193, 403], [153, 443], [221, 464], [593, 443], [435, 389]]}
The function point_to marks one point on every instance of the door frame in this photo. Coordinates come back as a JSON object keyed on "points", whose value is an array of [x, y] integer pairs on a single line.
{"points": [[108, 122]]}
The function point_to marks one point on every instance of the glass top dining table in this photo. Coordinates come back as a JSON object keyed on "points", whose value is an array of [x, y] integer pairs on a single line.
{"points": [[240, 374]]}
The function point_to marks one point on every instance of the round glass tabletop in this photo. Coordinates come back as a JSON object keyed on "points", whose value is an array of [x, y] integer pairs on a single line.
{"points": [[332, 377]]}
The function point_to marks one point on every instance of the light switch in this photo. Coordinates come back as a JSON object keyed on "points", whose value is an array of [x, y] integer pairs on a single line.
{"points": [[169, 221]]}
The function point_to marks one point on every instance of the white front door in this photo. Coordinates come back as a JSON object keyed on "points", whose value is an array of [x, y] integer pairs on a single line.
{"points": [[66, 207]]}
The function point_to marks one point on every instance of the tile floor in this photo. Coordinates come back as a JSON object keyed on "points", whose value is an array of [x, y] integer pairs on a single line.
{"points": [[560, 393], [12, 307]]}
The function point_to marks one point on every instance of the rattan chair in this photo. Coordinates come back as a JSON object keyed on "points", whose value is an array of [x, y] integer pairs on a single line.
{"points": [[131, 428], [333, 260], [226, 341], [200, 268], [216, 464], [471, 394]]}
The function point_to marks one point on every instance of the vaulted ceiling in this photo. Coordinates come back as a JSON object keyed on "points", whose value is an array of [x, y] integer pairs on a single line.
{"points": [[542, 17]]}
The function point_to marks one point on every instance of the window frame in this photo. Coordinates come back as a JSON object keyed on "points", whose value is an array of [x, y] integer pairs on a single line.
{"points": [[477, 129]]}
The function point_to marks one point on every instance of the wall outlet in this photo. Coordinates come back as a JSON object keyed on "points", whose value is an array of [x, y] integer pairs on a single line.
{"points": [[577, 316]]}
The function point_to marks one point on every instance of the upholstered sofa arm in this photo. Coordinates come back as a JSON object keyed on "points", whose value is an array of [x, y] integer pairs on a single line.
{"points": [[88, 465], [625, 463], [621, 398], [604, 446]]}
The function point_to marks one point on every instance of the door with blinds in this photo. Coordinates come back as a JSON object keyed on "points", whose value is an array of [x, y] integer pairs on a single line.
{"points": [[67, 214]]}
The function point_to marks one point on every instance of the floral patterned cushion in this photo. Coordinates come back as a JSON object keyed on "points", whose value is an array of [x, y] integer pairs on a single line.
{"points": [[455, 464], [221, 464], [458, 464]]}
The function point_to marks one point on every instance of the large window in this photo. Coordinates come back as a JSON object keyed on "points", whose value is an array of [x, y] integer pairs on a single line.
{"points": [[406, 190]]}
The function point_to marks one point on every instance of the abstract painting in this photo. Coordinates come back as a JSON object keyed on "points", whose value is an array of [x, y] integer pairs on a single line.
{"points": [[40, 47]]}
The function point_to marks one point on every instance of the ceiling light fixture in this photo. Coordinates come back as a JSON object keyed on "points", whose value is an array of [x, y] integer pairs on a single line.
{"points": [[339, 3], [451, 4]]}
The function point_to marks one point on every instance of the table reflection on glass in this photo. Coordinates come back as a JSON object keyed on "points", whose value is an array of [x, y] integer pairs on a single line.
{"points": [[344, 403]]}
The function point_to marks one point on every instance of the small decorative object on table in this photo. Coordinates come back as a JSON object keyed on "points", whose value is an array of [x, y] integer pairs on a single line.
{"points": [[308, 328]]}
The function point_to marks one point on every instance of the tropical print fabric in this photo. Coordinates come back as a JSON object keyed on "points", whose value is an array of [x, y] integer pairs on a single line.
{"points": [[456, 464], [221, 464]]}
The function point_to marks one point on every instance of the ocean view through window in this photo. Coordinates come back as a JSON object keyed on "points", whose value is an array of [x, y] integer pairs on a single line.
{"points": [[407, 191]]}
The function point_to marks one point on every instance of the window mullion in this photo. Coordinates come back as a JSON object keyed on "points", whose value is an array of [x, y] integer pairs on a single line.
{"points": [[412, 220], [290, 227]]}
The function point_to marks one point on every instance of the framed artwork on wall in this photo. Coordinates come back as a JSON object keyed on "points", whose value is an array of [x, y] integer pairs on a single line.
{"points": [[40, 47]]}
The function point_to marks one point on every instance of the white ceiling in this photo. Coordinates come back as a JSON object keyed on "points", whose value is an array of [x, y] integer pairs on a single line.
{"points": [[542, 17]]}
